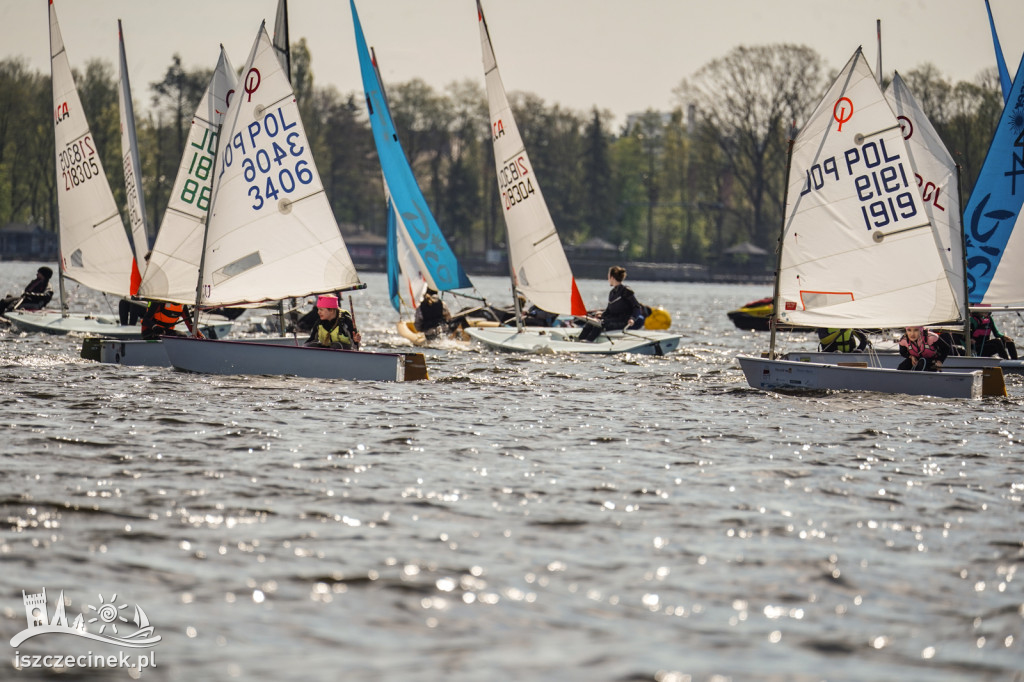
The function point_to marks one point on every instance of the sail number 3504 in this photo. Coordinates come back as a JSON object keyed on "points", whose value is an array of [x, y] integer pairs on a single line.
{"points": [[515, 184]]}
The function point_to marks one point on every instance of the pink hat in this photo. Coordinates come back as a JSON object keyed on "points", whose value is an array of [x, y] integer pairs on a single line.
{"points": [[327, 302]]}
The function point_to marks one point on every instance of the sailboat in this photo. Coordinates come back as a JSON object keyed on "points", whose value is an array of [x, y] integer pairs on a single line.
{"points": [[537, 262], [270, 234], [937, 178], [94, 249], [419, 257], [857, 246]]}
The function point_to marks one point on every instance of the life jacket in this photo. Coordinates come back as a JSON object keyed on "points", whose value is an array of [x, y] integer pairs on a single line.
{"points": [[981, 328], [842, 338], [164, 315], [925, 346], [339, 333]]}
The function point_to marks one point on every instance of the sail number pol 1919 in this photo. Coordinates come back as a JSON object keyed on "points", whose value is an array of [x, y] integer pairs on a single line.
{"points": [[515, 182], [880, 181]]}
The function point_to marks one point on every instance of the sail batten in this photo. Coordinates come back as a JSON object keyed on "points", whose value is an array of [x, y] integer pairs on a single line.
{"points": [[853, 253], [535, 252], [94, 246]]}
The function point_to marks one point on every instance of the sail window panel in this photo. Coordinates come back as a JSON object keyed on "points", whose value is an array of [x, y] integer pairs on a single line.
{"points": [[823, 299], [237, 267]]}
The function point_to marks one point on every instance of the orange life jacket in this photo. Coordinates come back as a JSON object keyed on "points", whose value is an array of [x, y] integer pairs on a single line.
{"points": [[163, 315]]}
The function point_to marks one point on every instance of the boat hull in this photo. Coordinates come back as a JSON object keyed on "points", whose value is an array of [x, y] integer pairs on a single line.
{"points": [[52, 322], [993, 383], [249, 357], [563, 340], [790, 375], [151, 353], [954, 363]]}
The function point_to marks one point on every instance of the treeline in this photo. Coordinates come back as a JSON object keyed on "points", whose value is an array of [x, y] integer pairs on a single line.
{"points": [[672, 187]]}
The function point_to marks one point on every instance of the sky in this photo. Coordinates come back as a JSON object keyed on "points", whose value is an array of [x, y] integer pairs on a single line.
{"points": [[625, 56]]}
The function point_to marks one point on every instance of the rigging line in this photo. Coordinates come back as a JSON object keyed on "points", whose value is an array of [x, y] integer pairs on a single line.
{"points": [[879, 237]]}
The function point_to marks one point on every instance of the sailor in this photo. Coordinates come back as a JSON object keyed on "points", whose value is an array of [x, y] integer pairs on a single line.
{"points": [[36, 295], [988, 340], [923, 351], [335, 328], [622, 312], [833, 340], [432, 315], [161, 317]]}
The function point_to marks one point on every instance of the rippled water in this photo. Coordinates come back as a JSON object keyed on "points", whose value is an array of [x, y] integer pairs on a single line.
{"points": [[516, 517]]}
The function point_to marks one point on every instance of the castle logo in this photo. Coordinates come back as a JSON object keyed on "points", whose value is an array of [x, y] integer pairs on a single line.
{"points": [[107, 615]]}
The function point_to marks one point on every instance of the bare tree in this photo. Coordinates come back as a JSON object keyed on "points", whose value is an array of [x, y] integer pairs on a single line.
{"points": [[747, 100]]}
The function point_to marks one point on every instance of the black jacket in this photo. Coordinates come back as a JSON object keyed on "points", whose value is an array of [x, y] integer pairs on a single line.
{"points": [[622, 306]]}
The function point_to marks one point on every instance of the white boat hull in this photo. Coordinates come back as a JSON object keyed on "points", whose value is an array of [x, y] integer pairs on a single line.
{"points": [[563, 340], [808, 376], [252, 357], [52, 322]]}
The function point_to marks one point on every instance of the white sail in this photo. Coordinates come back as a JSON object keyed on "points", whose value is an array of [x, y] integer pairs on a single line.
{"points": [[174, 265], [136, 204], [271, 233], [94, 248], [936, 176], [858, 248], [540, 269]]}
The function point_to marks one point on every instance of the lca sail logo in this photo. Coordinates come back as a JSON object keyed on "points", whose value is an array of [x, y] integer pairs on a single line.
{"points": [[113, 623]]}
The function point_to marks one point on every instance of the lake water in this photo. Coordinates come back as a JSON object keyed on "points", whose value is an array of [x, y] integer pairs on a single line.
{"points": [[514, 518]]}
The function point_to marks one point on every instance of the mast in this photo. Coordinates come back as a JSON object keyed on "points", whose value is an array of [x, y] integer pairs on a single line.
{"points": [[508, 234], [966, 312], [63, 290], [283, 45], [206, 233], [214, 187], [778, 249]]}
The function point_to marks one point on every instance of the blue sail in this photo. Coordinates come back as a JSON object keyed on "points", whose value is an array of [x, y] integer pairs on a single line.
{"points": [[393, 267], [1004, 74], [994, 208], [414, 223]]}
